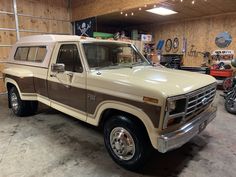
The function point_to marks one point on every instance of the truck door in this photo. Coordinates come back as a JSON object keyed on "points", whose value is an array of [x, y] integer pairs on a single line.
{"points": [[67, 90]]}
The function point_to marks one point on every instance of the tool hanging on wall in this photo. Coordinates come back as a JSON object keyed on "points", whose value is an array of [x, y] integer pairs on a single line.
{"points": [[175, 45], [168, 45], [184, 49], [160, 44]]}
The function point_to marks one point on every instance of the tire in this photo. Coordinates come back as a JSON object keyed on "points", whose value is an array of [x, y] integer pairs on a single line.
{"points": [[130, 132], [19, 107], [230, 103]]}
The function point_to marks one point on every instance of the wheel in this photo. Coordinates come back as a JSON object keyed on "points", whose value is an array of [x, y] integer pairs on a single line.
{"points": [[230, 103], [20, 107], [126, 141]]}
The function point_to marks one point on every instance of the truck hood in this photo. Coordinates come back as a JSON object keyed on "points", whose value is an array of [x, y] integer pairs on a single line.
{"points": [[151, 81]]}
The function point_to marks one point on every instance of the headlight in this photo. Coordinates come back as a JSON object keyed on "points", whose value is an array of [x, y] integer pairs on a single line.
{"points": [[172, 105], [175, 111]]}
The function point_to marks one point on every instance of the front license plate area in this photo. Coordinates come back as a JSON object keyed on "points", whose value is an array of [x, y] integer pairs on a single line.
{"points": [[202, 126]]}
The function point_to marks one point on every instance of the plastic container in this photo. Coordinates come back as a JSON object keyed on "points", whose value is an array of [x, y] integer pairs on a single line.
{"points": [[221, 73]]}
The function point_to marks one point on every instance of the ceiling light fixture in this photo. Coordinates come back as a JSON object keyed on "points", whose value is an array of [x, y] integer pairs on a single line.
{"points": [[193, 2], [126, 15], [132, 13], [121, 13], [139, 8], [162, 11]]}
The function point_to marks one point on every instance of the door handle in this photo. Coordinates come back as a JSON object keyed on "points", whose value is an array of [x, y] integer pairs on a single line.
{"points": [[70, 74]]}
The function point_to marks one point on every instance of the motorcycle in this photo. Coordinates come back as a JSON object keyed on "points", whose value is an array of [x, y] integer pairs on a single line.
{"points": [[230, 100], [229, 86]]}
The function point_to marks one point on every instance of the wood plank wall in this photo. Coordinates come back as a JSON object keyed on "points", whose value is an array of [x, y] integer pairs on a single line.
{"points": [[35, 17], [199, 32]]}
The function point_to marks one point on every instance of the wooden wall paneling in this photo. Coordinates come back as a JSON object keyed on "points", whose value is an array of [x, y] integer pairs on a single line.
{"points": [[23, 34], [4, 53], [44, 25], [7, 21], [6, 5], [34, 24], [7, 37], [199, 32], [44, 16], [2, 87], [45, 8], [59, 27]]}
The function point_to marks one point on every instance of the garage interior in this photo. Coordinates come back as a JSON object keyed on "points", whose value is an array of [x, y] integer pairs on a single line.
{"points": [[53, 144]]}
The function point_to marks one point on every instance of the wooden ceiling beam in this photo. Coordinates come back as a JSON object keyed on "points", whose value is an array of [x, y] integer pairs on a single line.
{"points": [[84, 9]]}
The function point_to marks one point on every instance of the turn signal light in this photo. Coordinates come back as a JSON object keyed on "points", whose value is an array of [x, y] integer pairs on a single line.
{"points": [[150, 100]]}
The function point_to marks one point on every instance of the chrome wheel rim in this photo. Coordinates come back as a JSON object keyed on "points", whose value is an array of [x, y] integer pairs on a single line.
{"points": [[231, 104], [14, 102], [122, 143]]}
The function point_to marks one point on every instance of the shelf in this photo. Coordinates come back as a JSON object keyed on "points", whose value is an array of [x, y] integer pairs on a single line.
{"points": [[171, 54]]}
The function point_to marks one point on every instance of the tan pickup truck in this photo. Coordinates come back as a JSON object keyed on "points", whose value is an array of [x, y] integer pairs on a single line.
{"points": [[110, 84]]}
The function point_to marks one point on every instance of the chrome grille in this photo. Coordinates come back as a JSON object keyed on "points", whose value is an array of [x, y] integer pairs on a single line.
{"points": [[197, 101]]}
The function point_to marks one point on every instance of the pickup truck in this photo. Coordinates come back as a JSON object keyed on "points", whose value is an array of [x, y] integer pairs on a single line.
{"points": [[110, 84]]}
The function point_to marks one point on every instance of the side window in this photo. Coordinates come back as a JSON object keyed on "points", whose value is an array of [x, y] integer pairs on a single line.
{"points": [[31, 54], [41, 54], [21, 53], [69, 56]]}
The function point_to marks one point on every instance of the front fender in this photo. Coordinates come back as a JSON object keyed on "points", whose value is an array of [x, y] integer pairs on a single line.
{"points": [[120, 106]]}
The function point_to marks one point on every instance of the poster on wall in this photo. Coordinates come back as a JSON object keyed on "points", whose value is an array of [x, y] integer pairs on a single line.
{"points": [[85, 27], [146, 37]]}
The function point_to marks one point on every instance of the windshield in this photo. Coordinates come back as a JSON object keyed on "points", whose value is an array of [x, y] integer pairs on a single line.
{"points": [[107, 55]]}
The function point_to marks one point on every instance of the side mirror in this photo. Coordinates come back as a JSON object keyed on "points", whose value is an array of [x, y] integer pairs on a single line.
{"points": [[59, 68]]}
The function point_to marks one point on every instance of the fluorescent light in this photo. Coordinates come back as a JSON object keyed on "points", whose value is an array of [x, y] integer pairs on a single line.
{"points": [[162, 11]]}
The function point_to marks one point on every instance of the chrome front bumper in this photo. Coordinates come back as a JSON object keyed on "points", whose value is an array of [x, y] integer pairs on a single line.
{"points": [[176, 139]]}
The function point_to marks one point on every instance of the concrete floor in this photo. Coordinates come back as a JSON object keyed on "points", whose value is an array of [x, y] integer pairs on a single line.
{"points": [[53, 144]]}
